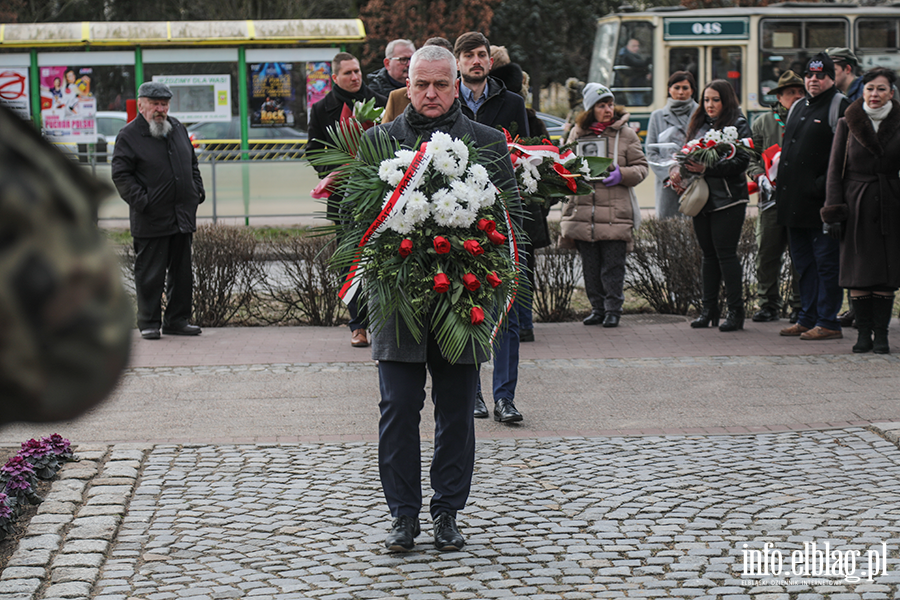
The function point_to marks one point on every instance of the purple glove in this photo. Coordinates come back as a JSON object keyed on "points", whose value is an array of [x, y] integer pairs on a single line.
{"points": [[614, 177]]}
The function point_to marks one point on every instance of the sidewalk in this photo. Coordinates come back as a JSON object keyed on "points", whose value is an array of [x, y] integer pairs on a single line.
{"points": [[652, 459]]}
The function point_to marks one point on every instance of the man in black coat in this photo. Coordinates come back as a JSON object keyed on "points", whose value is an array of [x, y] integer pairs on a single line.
{"points": [[403, 362], [486, 100], [800, 194], [348, 87], [155, 170], [396, 68]]}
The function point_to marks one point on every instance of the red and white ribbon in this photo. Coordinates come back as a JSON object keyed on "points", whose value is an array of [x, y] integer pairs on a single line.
{"points": [[514, 256], [397, 201], [535, 155]]}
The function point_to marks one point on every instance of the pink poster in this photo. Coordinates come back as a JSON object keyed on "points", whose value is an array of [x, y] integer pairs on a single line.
{"points": [[318, 81], [68, 108]]}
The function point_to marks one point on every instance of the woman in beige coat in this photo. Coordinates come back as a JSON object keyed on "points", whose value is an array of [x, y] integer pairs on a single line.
{"points": [[601, 223]]}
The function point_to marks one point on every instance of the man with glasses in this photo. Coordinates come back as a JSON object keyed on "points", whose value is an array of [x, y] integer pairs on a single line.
{"points": [[396, 68], [800, 194]]}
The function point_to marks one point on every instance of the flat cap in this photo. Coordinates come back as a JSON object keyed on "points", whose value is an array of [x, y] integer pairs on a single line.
{"points": [[154, 90], [844, 55]]}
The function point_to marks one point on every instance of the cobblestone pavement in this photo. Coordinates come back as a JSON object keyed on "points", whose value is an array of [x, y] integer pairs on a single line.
{"points": [[577, 517]]}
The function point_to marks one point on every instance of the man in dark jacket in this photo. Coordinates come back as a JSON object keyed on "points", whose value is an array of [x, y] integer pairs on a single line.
{"points": [[348, 87], [403, 362], [486, 100], [155, 170], [800, 193], [396, 67]]}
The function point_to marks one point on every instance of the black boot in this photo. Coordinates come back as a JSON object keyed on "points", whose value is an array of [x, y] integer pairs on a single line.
{"points": [[707, 316], [862, 308], [734, 320], [882, 309]]}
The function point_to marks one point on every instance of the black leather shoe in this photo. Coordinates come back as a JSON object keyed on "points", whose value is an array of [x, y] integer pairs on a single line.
{"points": [[795, 316], [480, 409], [402, 537], [526, 335], [505, 411], [150, 334], [183, 330], [595, 318], [733, 321], [611, 320], [765, 315], [707, 317], [446, 534]]}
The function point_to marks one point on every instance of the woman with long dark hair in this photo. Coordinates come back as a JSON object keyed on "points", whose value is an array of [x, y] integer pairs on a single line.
{"points": [[718, 226]]}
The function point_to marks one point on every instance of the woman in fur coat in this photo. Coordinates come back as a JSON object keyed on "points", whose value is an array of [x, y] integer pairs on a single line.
{"points": [[862, 206], [601, 223]]}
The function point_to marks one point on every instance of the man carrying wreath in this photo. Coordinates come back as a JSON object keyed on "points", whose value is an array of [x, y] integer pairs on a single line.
{"points": [[403, 361]]}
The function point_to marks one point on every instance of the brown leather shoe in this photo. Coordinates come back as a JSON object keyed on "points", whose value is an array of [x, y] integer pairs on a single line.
{"points": [[359, 339], [794, 330], [820, 333]]}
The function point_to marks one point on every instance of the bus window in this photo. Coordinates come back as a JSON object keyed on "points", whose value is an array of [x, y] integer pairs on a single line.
{"points": [[634, 63], [726, 63], [788, 44], [685, 59], [877, 42], [604, 54]]}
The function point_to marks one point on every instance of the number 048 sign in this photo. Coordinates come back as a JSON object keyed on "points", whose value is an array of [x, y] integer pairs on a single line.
{"points": [[696, 29]]}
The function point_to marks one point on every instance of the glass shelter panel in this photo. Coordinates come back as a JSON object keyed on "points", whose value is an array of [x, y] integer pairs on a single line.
{"points": [[634, 64]]}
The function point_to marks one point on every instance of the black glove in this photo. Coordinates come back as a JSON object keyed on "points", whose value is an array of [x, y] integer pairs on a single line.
{"points": [[833, 229]]}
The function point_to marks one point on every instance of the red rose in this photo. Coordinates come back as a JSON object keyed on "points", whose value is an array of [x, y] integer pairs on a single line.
{"points": [[496, 237], [486, 225], [473, 247], [471, 282], [406, 247], [441, 283], [441, 245], [493, 279], [476, 316]]}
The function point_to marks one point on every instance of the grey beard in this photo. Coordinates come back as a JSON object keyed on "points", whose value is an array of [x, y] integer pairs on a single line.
{"points": [[160, 130]]}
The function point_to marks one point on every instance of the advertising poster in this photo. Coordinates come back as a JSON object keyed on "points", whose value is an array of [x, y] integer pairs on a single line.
{"points": [[271, 95], [199, 98], [68, 108], [14, 91], [318, 81]]}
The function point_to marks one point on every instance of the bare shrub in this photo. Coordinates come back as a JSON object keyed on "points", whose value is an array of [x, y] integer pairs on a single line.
{"points": [[307, 287], [664, 268], [225, 274], [555, 276]]}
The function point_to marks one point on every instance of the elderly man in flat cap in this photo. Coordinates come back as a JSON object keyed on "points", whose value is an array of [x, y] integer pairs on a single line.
{"points": [[155, 170]]}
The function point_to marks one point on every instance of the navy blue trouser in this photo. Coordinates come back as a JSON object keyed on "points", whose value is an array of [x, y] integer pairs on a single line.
{"points": [[399, 451], [163, 262], [816, 257]]}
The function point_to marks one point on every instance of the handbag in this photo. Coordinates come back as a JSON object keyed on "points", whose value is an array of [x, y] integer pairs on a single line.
{"points": [[694, 197]]}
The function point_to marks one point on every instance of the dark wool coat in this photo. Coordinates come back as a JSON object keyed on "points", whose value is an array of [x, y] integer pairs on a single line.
{"points": [[394, 341], [158, 178], [501, 109], [864, 195], [805, 150]]}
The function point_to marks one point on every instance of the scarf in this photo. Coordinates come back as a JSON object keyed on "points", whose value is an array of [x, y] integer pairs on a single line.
{"points": [[877, 115], [780, 113], [598, 128], [425, 126], [348, 98], [680, 107]]}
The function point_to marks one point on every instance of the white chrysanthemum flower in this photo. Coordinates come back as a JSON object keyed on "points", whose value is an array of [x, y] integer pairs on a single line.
{"points": [[730, 133], [386, 171], [440, 142], [395, 178], [443, 202], [489, 196], [461, 218], [405, 157], [461, 190], [478, 174], [417, 207], [403, 225], [460, 150], [445, 164], [443, 219]]}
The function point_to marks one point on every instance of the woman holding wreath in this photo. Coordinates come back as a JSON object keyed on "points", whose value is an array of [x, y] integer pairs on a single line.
{"points": [[601, 223], [862, 206], [718, 226]]}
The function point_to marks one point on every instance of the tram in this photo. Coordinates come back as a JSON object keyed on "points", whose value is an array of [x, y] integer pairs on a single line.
{"points": [[636, 52]]}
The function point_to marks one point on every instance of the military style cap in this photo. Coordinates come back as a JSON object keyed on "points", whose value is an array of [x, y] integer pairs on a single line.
{"points": [[154, 90], [788, 79], [594, 93], [820, 63], [843, 55]]}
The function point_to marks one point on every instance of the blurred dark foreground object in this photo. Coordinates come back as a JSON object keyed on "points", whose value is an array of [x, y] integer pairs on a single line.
{"points": [[65, 319]]}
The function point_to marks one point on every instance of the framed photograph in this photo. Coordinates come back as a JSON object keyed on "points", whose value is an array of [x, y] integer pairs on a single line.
{"points": [[591, 146]]}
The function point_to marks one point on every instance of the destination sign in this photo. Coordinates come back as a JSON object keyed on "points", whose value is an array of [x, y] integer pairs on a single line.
{"points": [[696, 29]]}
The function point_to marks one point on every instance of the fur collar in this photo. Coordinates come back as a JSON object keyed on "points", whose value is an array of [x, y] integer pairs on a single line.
{"points": [[861, 126]]}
